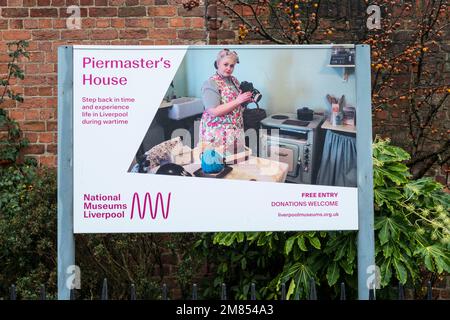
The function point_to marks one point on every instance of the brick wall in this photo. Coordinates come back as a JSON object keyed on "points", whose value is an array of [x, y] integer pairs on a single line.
{"points": [[106, 22], [441, 290], [141, 22], [125, 22], [347, 19]]}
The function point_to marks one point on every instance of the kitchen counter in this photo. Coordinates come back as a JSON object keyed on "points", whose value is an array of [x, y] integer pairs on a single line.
{"points": [[248, 167], [165, 104], [253, 169], [343, 128]]}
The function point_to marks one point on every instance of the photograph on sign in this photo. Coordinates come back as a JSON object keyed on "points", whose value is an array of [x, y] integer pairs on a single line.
{"points": [[213, 138]]}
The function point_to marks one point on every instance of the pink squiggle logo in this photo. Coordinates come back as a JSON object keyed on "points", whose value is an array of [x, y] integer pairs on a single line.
{"points": [[148, 200]]}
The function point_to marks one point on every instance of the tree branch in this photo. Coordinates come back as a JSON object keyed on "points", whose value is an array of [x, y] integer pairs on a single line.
{"points": [[261, 31], [283, 31], [444, 148]]}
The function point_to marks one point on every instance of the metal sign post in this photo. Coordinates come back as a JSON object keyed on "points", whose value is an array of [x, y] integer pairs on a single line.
{"points": [[66, 240], [366, 241]]}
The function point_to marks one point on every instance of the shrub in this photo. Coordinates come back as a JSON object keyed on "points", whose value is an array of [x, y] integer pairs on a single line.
{"points": [[411, 234], [412, 226], [27, 229]]}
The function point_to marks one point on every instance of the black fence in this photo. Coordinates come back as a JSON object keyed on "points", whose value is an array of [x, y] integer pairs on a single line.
{"points": [[223, 295]]}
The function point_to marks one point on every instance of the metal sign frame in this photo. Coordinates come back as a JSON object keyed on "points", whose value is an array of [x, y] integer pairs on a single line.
{"points": [[366, 238]]}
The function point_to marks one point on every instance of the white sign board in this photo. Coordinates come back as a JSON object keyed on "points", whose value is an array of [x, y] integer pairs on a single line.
{"points": [[124, 112]]}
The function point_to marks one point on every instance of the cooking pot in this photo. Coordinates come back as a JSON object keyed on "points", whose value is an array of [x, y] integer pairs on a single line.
{"points": [[305, 114]]}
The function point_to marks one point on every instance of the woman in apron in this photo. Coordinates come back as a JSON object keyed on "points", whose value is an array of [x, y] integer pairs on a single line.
{"points": [[222, 121]]}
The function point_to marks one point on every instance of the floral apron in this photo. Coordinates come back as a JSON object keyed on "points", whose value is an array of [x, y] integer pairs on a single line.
{"points": [[226, 130]]}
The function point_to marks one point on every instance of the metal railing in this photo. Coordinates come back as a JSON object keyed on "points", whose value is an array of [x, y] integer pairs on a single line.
{"points": [[312, 295]]}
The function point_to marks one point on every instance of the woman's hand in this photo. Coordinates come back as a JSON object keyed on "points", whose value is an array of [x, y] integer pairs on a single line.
{"points": [[243, 97], [225, 108]]}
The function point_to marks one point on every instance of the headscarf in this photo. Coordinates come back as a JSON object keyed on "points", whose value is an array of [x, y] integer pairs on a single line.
{"points": [[226, 53]]}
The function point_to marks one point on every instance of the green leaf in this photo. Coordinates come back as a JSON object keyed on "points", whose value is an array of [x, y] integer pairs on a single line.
{"points": [[405, 248], [299, 272], [351, 254], [223, 267], [244, 263], [400, 271], [223, 238], [289, 244], [443, 264], [388, 229], [340, 252], [348, 267], [386, 272], [291, 289], [332, 273], [253, 236], [436, 258], [388, 250], [262, 240], [399, 167], [383, 235], [292, 270], [297, 256], [301, 243], [397, 177], [315, 242], [387, 196]]}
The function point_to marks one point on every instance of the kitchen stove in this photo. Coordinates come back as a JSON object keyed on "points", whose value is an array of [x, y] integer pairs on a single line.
{"points": [[298, 143]]}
